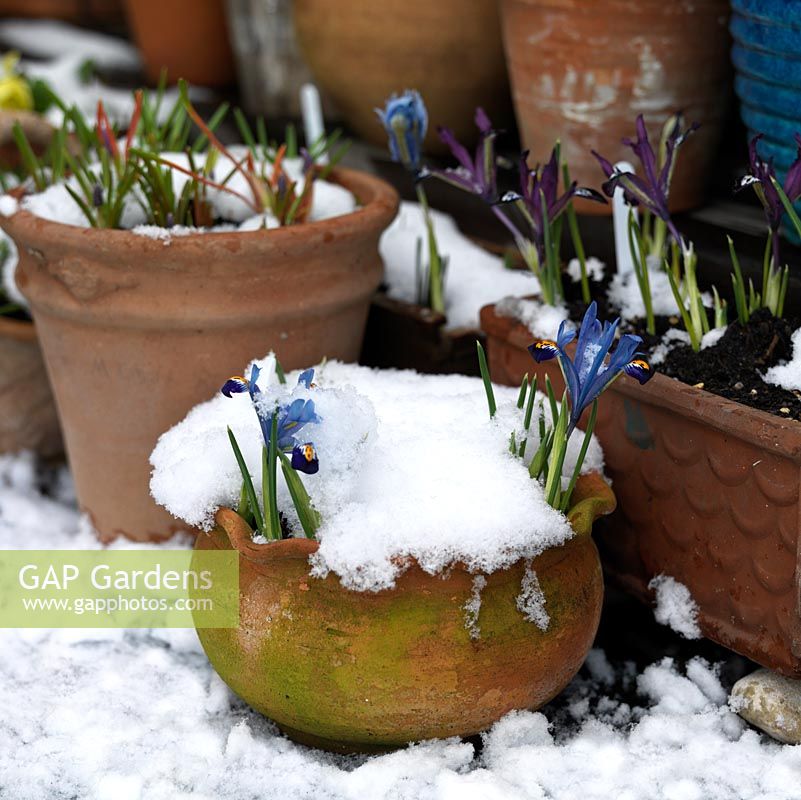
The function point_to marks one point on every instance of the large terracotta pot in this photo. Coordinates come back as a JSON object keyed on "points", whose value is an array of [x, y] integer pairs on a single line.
{"points": [[187, 38], [708, 493], [28, 419], [451, 52], [136, 331], [361, 671], [582, 71]]}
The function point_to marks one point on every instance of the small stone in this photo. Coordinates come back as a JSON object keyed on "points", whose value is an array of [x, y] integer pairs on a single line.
{"points": [[738, 385], [753, 391], [771, 702], [673, 320], [698, 385], [784, 410]]}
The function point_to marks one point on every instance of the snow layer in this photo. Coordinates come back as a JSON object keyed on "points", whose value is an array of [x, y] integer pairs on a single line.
{"points": [[9, 270], [410, 465], [788, 375], [328, 200], [542, 320], [624, 294], [474, 277], [596, 269], [74, 724], [675, 606]]}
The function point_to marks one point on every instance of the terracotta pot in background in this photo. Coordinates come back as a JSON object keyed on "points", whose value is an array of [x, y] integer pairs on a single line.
{"points": [[367, 671], [708, 493], [188, 38], [28, 419], [582, 71], [136, 331], [92, 13], [451, 52]]}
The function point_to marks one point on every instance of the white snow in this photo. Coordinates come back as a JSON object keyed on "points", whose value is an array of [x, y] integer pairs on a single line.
{"points": [[410, 465], [712, 337], [472, 608], [328, 200], [531, 601], [673, 337], [596, 269], [788, 375], [100, 714], [624, 294], [542, 320], [473, 278], [9, 270], [675, 606]]}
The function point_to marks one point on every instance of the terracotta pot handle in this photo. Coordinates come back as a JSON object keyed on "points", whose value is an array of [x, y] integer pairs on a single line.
{"points": [[592, 498]]}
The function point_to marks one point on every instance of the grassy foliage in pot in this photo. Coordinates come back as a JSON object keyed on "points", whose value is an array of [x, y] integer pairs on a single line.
{"points": [[135, 323]]}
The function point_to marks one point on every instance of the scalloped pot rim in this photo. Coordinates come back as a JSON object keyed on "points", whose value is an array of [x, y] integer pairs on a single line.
{"points": [[372, 194]]}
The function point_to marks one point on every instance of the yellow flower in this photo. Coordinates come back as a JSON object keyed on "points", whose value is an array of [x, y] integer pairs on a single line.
{"points": [[15, 92]]}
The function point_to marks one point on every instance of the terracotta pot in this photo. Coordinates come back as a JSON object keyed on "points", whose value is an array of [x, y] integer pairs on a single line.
{"points": [[187, 38], [708, 493], [136, 332], [581, 72], [360, 53], [93, 13], [28, 419], [407, 336], [361, 671]]}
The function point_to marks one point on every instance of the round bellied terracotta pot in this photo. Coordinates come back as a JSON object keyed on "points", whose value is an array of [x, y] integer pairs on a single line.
{"points": [[28, 419], [136, 331], [188, 39], [582, 71], [356, 671], [451, 52]]}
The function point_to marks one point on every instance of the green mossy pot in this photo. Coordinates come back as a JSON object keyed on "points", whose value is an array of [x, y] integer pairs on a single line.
{"points": [[364, 672]]}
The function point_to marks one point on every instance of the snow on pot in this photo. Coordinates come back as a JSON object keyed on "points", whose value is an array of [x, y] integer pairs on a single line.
{"points": [[708, 493], [134, 323], [438, 584], [708, 485]]}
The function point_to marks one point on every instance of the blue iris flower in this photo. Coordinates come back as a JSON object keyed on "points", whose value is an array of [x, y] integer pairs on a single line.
{"points": [[588, 373], [292, 418], [405, 120]]}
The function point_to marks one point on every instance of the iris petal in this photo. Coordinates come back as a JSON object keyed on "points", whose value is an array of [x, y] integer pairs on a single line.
{"points": [[639, 369], [234, 385], [543, 350], [304, 459]]}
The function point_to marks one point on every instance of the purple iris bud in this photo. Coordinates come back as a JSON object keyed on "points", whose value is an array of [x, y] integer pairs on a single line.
{"points": [[169, 220], [304, 458], [588, 373], [405, 120], [539, 191], [477, 175], [761, 176], [652, 188], [97, 195]]}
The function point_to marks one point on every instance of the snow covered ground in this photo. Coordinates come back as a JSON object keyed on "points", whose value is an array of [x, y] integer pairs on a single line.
{"points": [[135, 715]]}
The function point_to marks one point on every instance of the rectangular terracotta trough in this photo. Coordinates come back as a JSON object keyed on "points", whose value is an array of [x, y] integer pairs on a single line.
{"points": [[708, 493]]}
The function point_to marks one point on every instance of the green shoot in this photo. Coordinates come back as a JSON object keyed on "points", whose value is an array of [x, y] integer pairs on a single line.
{"points": [[565, 504], [485, 376], [249, 489]]}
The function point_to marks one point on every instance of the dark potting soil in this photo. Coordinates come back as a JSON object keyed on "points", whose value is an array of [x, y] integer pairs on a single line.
{"points": [[733, 367]]}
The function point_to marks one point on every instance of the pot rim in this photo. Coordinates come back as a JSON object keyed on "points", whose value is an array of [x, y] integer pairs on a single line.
{"points": [[377, 197], [781, 436], [593, 498]]}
